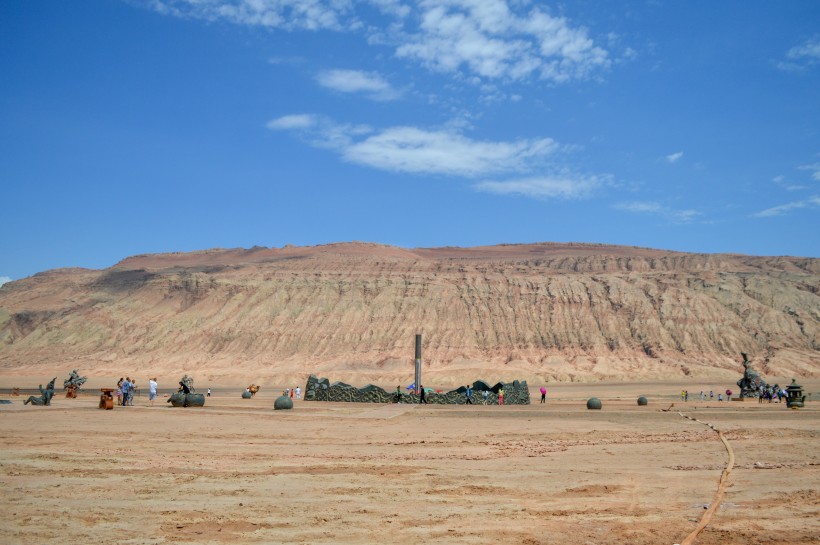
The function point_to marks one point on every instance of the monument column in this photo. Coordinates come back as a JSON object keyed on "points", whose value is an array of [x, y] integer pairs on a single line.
{"points": [[418, 363]]}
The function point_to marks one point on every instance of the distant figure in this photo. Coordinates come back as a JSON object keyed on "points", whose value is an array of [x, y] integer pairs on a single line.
{"points": [[398, 393], [119, 391], [728, 395], [292, 392], [702, 395], [298, 392], [501, 396], [683, 395], [711, 395], [209, 392], [126, 391], [686, 395], [720, 397], [152, 390], [543, 394], [422, 396], [468, 393], [486, 395], [183, 389]]}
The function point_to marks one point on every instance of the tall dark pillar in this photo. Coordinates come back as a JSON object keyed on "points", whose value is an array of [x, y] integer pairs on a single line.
{"points": [[418, 363]]}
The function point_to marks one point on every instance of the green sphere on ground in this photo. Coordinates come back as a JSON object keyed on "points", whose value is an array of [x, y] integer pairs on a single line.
{"points": [[594, 403], [246, 395], [282, 403], [642, 401]]}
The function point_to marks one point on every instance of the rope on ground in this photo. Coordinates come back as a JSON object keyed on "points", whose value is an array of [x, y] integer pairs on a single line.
{"points": [[724, 481]]}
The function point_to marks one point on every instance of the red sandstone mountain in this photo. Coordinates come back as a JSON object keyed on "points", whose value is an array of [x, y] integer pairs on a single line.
{"points": [[350, 312]]}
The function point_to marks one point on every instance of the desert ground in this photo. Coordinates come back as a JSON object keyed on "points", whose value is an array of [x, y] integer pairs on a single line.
{"points": [[236, 471]]}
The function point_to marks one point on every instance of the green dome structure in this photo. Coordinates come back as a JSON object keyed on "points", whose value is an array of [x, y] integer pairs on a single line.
{"points": [[594, 403], [282, 403]]}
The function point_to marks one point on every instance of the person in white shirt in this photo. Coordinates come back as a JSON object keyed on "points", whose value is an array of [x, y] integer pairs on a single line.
{"points": [[298, 392], [152, 390]]}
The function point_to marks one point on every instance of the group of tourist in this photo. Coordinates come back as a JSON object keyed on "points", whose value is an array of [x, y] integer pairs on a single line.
{"points": [[290, 392], [125, 391]]}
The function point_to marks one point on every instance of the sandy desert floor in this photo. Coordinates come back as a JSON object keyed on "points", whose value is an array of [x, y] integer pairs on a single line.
{"points": [[235, 471]]}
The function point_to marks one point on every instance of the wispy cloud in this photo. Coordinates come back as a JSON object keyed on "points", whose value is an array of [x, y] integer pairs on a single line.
{"points": [[410, 149], [657, 209], [674, 157], [567, 186], [294, 121], [284, 14], [814, 169], [783, 182], [783, 209], [489, 39], [446, 151], [4, 280], [803, 56], [355, 81]]}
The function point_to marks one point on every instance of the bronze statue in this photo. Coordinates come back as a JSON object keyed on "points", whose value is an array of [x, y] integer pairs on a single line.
{"points": [[751, 383], [73, 384], [45, 397]]}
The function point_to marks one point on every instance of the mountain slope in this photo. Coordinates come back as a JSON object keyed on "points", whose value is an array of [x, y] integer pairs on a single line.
{"points": [[350, 311]]}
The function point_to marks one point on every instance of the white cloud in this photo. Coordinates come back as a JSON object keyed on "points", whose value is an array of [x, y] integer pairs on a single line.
{"points": [[566, 187], [445, 151], [491, 39], [802, 56], [675, 157], [355, 81], [657, 209], [284, 14], [4, 280], [782, 181], [295, 121], [811, 202], [814, 169], [488, 40], [409, 149]]}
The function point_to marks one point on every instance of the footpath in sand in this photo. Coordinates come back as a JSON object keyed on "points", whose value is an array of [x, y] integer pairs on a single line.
{"points": [[236, 471]]}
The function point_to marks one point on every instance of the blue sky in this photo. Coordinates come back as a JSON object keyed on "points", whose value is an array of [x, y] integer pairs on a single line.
{"points": [[132, 127]]}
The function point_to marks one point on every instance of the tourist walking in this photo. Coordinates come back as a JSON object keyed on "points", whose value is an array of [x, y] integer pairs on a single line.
{"points": [[298, 392], [501, 396], [543, 394], [152, 390], [209, 392], [422, 396], [468, 394], [711, 395]]}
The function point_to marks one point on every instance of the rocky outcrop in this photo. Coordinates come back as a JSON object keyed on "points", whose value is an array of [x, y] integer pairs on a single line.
{"points": [[540, 311]]}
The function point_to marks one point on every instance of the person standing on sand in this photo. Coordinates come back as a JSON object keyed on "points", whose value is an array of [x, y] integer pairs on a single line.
{"points": [[711, 395], [292, 392], [501, 396], [422, 397], [298, 392], [209, 392], [119, 392], [543, 394], [126, 389], [468, 393], [152, 390], [486, 395]]}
